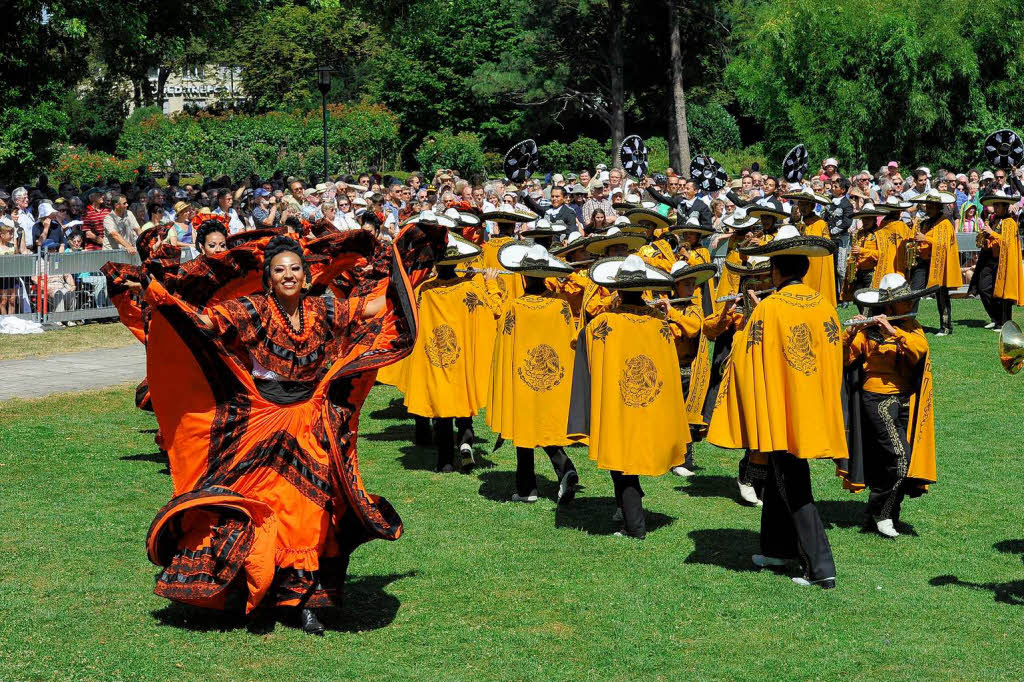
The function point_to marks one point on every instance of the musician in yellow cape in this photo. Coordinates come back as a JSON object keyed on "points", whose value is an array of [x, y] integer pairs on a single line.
{"points": [[626, 393], [578, 283], [721, 328], [937, 261], [659, 252], [449, 368], [510, 286], [998, 276], [614, 243], [890, 234], [687, 320], [821, 275], [782, 399], [864, 250], [890, 414], [740, 226], [531, 371]]}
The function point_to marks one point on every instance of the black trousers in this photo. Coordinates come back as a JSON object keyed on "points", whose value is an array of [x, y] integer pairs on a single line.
{"points": [[629, 498], [424, 430], [526, 473], [753, 474], [790, 524], [919, 280], [999, 310], [684, 377], [886, 451], [446, 439]]}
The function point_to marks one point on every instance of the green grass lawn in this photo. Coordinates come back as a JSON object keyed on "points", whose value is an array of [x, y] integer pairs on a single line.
{"points": [[479, 588], [65, 340]]}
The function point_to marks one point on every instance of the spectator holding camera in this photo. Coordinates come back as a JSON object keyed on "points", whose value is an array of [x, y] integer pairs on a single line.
{"points": [[265, 212]]}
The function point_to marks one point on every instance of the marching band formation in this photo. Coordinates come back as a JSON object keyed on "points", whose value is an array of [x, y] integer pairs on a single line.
{"points": [[628, 340]]}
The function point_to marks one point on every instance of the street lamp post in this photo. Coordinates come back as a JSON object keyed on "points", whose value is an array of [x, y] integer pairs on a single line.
{"points": [[323, 83]]}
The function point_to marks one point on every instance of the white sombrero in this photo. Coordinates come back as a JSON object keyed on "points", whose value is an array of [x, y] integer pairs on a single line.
{"points": [[629, 274], [698, 273], [459, 250], [532, 260], [894, 288], [789, 242], [613, 237], [544, 228], [430, 218], [740, 220]]}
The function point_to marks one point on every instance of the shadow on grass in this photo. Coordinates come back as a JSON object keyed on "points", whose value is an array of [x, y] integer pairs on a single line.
{"points": [[498, 486], [710, 486], [594, 515], [418, 458], [842, 513], [394, 410], [974, 324], [156, 457], [365, 607], [1011, 592], [404, 431], [729, 548]]}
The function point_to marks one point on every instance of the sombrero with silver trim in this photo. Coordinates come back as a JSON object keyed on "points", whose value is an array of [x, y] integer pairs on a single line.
{"points": [[804, 194], [544, 228], [765, 207], [869, 210], [894, 288], [754, 265], [575, 242], [999, 197], [893, 203], [789, 242], [692, 225], [646, 218], [614, 237], [934, 196], [739, 219], [532, 260], [428, 217], [629, 274], [698, 273], [629, 201], [508, 216], [459, 250]]}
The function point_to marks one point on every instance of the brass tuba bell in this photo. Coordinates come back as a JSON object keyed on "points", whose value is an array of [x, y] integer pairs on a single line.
{"points": [[1011, 347]]}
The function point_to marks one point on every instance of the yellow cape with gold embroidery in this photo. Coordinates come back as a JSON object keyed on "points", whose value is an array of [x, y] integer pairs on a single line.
{"points": [[700, 366], [1010, 276], [531, 371], [511, 286], [729, 281], [396, 374], [448, 371], [887, 239], [821, 274], [944, 267], [782, 386], [626, 393]]}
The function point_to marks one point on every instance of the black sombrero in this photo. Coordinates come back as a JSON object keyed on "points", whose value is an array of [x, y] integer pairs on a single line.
{"points": [[754, 266], [789, 242], [532, 260], [692, 225], [708, 174], [521, 160], [576, 242], [766, 207], [740, 220], [894, 288], [1004, 149], [430, 218], [629, 274], [934, 196], [999, 197], [698, 273], [804, 194], [794, 166], [633, 156], [870, 210]]}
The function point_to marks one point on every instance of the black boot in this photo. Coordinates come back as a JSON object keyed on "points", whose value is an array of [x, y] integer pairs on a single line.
{"points": [[424, 434], [310, 624]]}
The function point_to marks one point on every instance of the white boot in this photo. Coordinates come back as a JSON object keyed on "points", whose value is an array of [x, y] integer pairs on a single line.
{"points": [[747, 493], [886, 528], [681, 471]]}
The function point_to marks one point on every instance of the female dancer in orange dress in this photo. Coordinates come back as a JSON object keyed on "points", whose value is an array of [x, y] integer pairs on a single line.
{"points": [[258, 397]]}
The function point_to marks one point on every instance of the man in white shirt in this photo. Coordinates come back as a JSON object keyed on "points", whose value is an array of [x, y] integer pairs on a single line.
{"points": [[225, 200], [120, 228], [25, 220]]}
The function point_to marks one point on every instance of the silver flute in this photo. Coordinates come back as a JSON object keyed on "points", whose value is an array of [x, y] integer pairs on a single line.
{"points": [[739, 297], [876, 319], [481, 271]]}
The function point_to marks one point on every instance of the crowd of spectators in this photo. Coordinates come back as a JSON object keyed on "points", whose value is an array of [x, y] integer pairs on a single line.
{"points": [[40, 219]]}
